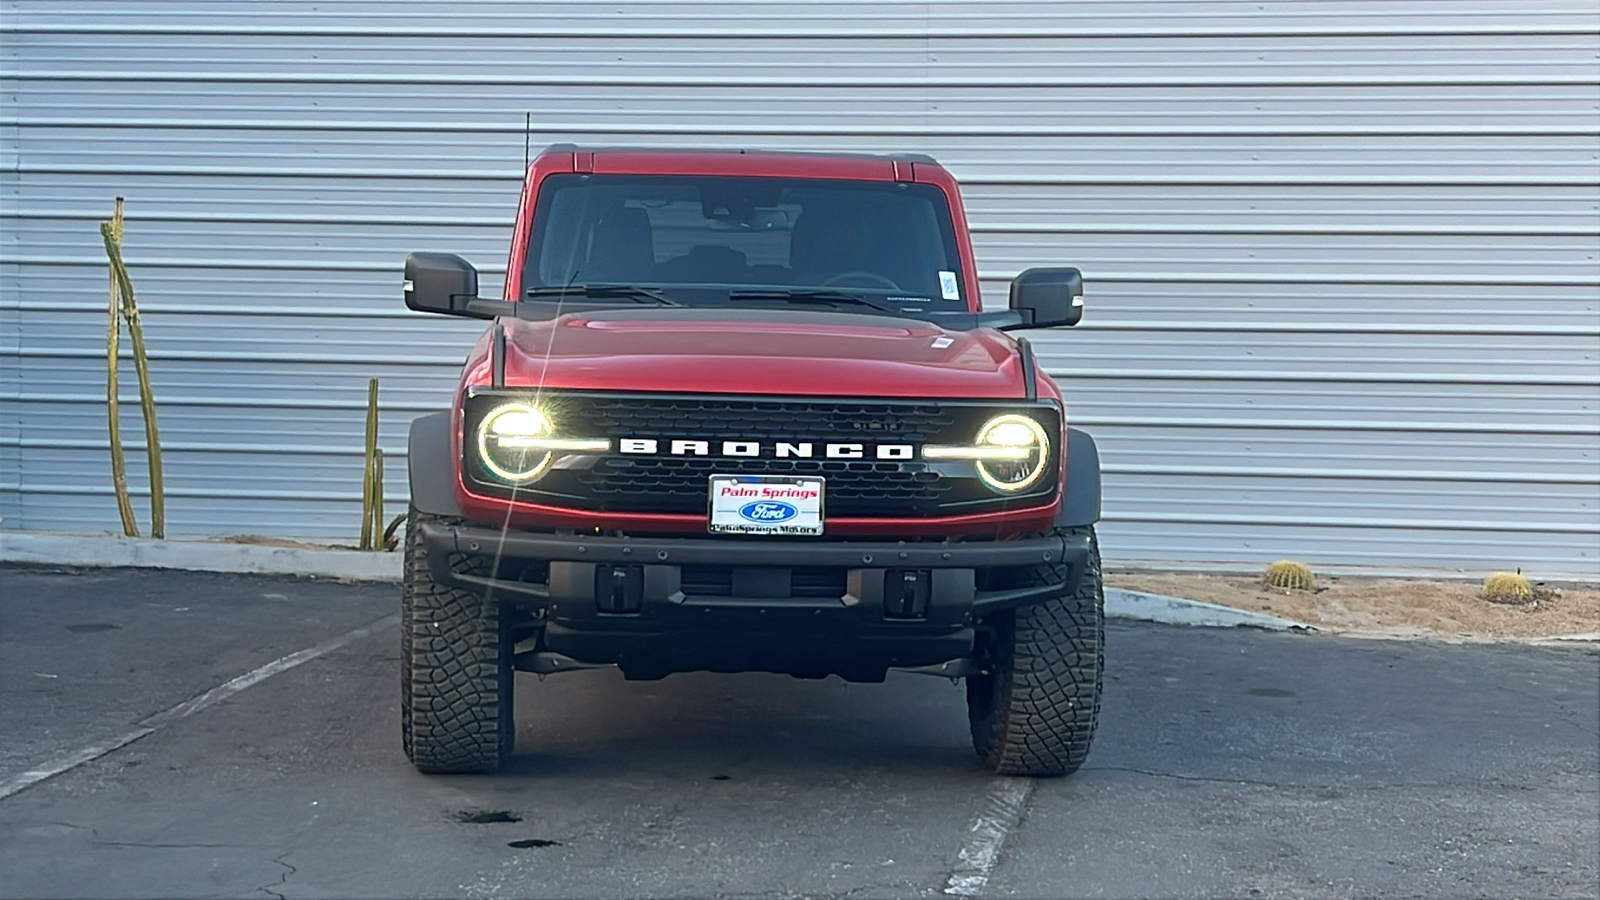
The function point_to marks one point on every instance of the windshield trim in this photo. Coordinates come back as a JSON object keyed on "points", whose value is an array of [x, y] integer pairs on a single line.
{"points": [[953, 255]]}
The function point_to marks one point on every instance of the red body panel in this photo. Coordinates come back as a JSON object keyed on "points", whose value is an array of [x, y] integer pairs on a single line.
{"points": [[777, 352]]}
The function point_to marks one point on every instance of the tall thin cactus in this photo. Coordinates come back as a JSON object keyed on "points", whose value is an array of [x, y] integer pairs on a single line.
{"points": [[111, 233], [371, 476], [119, 464]]}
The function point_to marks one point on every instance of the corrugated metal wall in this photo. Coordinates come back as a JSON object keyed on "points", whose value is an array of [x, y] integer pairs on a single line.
{"points": [[1344, 295]]}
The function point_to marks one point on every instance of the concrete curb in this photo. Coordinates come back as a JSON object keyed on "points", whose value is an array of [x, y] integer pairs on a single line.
{"points": [[96, 551], [108, 550], [1139, 605], [1587, 637]]}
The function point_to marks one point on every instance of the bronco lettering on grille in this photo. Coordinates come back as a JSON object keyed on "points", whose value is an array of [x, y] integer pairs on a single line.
{"points": [[780, 449]]}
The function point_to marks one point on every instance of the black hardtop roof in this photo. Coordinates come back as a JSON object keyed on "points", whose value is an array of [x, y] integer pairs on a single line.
{"points": [[715, 151]]}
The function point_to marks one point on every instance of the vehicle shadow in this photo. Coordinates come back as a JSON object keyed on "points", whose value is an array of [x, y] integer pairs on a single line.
{"points": [[704, 725]]}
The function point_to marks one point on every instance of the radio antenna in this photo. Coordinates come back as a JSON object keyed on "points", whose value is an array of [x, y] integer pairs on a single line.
{"points": [[527, 134]]}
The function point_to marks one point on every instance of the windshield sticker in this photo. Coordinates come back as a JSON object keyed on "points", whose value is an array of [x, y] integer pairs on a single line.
{"points": [[948, 288], [909, 299], [941, 342]]}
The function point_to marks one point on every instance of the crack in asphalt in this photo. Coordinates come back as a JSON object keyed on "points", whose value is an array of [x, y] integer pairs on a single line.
{"points": [[93, 832], [283, 878]]}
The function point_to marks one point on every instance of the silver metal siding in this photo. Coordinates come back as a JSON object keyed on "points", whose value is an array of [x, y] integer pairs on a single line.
{"points": [[1344, 295]]}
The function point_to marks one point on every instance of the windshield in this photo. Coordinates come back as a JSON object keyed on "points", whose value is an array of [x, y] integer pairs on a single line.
{"points": [[717, 240]]}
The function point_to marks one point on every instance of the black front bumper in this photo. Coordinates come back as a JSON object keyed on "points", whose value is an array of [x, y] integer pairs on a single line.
{"points": [[664, 604]]}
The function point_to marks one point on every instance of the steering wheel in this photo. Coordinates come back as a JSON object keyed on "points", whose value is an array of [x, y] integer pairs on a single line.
{"points": [[872, 279]]}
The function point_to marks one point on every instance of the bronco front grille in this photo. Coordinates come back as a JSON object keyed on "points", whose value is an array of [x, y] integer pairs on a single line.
{"points": [[693, 417], [678, 484], [666, 483]]}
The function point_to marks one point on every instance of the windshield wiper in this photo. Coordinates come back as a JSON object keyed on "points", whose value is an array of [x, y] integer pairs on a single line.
{"points": [[601, 292], [808, 295]]}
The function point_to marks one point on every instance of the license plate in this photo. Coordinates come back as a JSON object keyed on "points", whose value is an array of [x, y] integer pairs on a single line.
{"points": [[766, 504]]}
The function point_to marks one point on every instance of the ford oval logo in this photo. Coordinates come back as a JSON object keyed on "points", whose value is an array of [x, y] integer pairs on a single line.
{"points": [[768, 511]]}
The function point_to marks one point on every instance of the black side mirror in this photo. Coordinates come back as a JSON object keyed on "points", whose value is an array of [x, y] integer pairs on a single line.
{"points": [[1045, 297], [441, 283]]}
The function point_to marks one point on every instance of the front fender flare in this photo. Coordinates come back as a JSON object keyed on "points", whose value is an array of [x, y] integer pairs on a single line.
{"points": [[431, 465], [1080, 492]]}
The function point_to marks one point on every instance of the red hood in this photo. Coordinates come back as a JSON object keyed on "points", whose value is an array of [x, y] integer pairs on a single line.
{"points": [[754, 352]]}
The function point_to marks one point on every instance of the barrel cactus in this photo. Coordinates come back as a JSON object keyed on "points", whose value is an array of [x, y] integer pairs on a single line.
{"points": [[1507, 587], [1286, 573]]}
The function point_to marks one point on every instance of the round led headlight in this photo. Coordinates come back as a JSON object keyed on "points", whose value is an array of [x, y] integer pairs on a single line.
{"points": [[1012, 452], [514, 442]]}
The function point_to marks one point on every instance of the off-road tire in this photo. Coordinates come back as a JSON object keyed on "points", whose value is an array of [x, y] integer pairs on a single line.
{"points": [[1034, 711], [456, 674]]}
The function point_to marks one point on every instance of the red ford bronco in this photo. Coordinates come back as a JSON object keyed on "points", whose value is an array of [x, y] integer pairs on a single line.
{"points": [[743, 411]]}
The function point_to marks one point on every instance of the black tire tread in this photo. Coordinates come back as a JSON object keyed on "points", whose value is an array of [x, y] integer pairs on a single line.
{"points": [[1036, 712], [456, 675]]}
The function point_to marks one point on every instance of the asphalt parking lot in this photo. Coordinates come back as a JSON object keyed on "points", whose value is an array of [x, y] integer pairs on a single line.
{"points": [[1230, 762]]}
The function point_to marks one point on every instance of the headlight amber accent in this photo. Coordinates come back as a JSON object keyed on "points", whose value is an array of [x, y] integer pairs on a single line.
{"points": [[1010, 453], [512, 442]]}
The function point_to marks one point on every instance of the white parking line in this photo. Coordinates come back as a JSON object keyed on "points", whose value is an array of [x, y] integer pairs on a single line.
{"points": [[67, 761], [1002, 810]]}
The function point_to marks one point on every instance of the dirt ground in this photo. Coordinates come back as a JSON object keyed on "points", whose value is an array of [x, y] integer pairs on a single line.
{"points": [[1388, 605]]}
